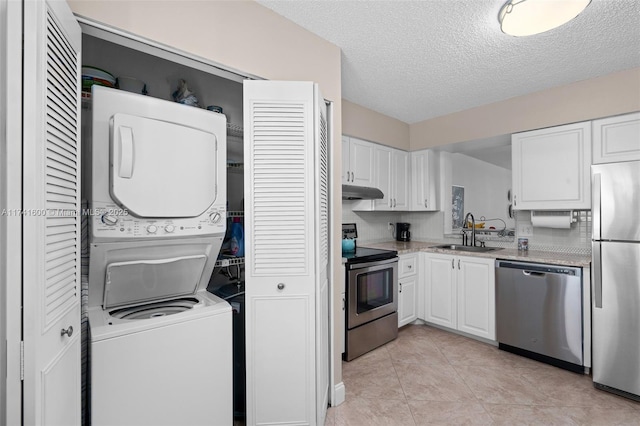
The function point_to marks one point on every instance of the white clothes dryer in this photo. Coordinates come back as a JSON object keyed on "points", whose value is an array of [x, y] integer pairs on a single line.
{"points": [[158, 169]]}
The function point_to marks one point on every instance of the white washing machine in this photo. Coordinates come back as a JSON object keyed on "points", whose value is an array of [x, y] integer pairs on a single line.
{"points": [[160, 344]]}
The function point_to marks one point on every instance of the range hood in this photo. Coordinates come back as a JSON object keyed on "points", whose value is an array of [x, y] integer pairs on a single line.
{"points": [[352, 192]]}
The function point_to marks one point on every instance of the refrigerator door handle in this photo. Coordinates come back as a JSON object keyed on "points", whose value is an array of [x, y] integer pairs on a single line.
{"points": [[596, 213], [597, 274]]}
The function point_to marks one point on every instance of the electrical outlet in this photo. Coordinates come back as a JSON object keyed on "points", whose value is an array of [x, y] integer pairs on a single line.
{"points": [[525, 230]]}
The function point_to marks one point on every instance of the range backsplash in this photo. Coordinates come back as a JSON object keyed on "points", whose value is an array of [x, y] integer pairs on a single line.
{"points": [[428, 226]]}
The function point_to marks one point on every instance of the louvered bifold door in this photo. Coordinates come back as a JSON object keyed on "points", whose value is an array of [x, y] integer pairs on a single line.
{"points": [[322, 256], [280, 220], [51, 216]]}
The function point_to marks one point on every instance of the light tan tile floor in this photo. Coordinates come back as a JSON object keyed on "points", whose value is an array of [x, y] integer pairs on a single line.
{"points": [[428, 376]]}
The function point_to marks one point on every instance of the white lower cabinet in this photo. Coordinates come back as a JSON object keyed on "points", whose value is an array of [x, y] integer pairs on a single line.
{"points": [[407, 289], [459, 293]]}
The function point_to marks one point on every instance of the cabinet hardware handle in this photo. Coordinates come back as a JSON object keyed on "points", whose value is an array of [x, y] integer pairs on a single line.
{"points": [[280, 286], [409, 266], [458, 263], [453, 264], [425, 203], [514, 200], [400, 287], [343, 304], [353, 177], [394, 202], [68, 331]]}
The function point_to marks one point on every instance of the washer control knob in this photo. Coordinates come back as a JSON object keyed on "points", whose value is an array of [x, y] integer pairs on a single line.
{"points": [[215, 217], [169, 229], [109, 219], [152, 229]]}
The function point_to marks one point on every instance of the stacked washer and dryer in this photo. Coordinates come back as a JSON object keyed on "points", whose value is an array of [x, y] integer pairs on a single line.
{"points": [[160, 344]]}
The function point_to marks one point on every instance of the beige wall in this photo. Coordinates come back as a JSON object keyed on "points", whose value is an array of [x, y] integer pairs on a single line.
{"points": [[245, 36], [363, 123], [611, 94]]}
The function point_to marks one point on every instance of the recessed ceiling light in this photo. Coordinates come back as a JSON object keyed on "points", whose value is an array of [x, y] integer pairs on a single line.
{"points": [[528, 17]]}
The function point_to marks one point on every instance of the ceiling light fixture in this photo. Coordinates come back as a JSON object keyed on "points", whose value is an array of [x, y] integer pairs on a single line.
{"points": [[527, 17]]}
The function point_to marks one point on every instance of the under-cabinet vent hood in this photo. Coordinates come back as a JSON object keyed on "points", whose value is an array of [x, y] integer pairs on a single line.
{"points": [[351, 192]]}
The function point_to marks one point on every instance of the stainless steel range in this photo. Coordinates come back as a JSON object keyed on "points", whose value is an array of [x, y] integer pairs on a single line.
{"points": [[371, 305]]}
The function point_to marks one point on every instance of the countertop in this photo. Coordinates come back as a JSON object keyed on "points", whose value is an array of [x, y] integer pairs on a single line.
{"points": [[553, 258]]}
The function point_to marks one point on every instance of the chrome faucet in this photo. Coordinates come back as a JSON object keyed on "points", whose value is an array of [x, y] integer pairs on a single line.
{"points": [[473, 230]]}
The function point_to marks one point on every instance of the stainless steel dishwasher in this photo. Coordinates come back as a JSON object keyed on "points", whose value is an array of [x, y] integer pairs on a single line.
{"points": [[539, 312]]}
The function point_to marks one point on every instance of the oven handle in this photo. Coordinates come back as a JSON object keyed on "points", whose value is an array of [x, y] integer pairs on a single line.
{"points": [[372, 263]]}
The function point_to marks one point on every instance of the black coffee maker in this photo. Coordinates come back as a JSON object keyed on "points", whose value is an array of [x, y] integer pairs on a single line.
{"points": [[402, 231]]}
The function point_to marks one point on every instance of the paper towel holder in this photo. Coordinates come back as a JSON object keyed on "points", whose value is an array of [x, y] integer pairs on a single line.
{"points": [[553, 218]]}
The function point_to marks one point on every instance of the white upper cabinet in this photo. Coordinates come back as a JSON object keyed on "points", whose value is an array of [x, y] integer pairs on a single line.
{"points": [[616, 138], [392, 178], [424, 181], [551, 168], [357, 162]]}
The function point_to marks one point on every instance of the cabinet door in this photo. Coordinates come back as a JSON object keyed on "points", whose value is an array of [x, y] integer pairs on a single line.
{"points": [[440, 290], [424, 181], [400, 179], [476, 296], [551, 168], [346, 171], [407, 300], [616, 139], [383, 164], [361, 162]]}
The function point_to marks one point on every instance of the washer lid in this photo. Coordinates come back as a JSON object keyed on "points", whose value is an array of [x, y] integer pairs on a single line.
{"points": [[161, 169], [140, 281]]}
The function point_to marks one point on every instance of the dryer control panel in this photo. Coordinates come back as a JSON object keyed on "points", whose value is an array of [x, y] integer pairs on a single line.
{"points": [[110, 222]]}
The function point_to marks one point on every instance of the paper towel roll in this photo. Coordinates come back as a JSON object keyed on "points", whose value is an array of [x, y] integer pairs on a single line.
{"points": [[551, 219]]}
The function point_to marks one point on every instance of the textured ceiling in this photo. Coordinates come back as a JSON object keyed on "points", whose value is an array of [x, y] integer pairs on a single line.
{"points": [[415, 60]]}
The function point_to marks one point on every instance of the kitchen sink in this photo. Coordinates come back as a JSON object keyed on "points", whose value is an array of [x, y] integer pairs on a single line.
{"points": [[457, 247]]}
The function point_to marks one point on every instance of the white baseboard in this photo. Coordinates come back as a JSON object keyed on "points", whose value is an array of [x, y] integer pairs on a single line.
{"points": [[340, 394]]}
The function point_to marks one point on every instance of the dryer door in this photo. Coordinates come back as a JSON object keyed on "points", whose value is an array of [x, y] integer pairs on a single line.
{"points": [[161, 169]]}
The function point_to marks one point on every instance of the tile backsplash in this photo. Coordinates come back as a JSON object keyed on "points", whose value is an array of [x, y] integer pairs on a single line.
{"points": [[429, 226]]}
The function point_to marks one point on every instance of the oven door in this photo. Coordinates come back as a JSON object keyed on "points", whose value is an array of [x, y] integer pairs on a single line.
{"points": [[372, 289]]}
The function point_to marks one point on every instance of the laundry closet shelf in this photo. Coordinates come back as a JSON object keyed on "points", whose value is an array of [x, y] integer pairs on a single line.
{"points": [[229, 261], [235, 130]]}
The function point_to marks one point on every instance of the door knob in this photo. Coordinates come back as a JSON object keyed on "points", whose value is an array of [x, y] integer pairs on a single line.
{"points": [[68, 331]]}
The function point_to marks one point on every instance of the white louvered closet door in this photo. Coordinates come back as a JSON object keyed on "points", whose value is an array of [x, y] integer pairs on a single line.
{"points": [[281, 219], [51, 221], [322, 257]]}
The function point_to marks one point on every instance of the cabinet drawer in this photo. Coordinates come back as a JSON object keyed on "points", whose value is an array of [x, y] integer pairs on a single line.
{"points": [[407, 265]]}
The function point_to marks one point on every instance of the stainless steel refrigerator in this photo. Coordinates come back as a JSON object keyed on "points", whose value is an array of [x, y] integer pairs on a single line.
{"points": [[616, 277]]}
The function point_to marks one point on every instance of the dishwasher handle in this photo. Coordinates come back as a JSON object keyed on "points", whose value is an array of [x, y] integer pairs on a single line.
{"points": [[534, 269], [533, 273]]}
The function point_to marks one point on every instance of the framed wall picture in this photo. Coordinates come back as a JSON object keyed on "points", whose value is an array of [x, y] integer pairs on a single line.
{"points": [[457, 206]]}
